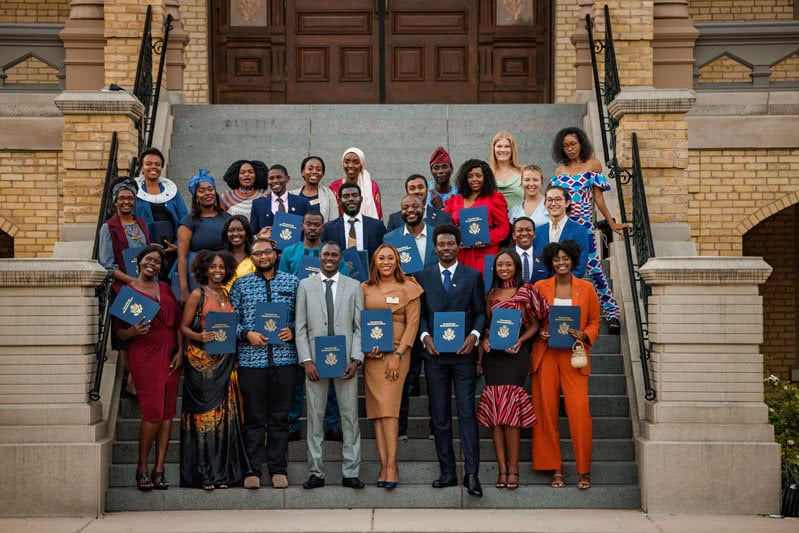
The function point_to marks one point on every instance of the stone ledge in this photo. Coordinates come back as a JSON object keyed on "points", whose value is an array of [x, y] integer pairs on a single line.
{"points": [[706, 271], [648, 100], [100, 103], [50, 273]]}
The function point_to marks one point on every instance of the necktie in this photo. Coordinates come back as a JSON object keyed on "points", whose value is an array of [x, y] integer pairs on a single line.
{"points": [[352, 238], [447, 280], [329, 304], [281, 207], [526, 268]]}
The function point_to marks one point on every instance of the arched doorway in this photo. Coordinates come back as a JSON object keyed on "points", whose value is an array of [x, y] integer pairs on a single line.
{"points": [[6, 245], [776, 240]]}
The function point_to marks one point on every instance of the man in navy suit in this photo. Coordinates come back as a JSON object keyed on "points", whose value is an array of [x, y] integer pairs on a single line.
{"points": [[522, 234], [561, 228], [353, 228], [450, 286], [264, 208], [417, 184]]}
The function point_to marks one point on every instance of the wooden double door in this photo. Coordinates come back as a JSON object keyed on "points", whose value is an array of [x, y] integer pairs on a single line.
{"points": [[380, 51]]}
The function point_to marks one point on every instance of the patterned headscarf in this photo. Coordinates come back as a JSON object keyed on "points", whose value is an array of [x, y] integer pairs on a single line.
{"points": [[439, 157], [202, 177], [123, 186]]}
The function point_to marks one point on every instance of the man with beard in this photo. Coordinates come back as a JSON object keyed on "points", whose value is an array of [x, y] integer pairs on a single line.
{"points": [[266, 371], [354, 229], [331, 304], [417, 184], [440, 189]]}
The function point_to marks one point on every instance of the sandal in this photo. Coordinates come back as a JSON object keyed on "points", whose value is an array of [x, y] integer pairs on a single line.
{"points": [[501, 484], [584, 481], [207, 485], [143, 481], [557, 480], [510, 485], [159, 481], [222, 486]]}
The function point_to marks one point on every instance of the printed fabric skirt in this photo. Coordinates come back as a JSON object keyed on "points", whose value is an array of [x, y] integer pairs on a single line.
{"points": [[505, 405]]}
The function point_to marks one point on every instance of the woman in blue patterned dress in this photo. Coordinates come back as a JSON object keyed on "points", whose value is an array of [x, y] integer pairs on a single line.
{"points": [[581, 174]]}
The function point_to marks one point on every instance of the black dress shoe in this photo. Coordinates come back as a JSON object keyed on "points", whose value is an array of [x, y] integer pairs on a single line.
{"points": [[294, 436], [614, 326], [314, 482], [353, 483], [334, 435], [446, 480], [472, 485]]}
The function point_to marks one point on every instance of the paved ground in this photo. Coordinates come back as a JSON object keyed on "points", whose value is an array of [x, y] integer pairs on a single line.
{"points": [[403, 521]]}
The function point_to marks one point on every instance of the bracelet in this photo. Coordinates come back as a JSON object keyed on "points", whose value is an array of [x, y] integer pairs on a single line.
{"points": [[480, 363], [398, 353]]}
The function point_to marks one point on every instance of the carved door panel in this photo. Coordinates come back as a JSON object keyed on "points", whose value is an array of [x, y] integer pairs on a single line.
{"points": [[332, 50], [431, 51]]}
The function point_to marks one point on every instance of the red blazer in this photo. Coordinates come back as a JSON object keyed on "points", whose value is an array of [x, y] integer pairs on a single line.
{"points": [[584, 296]]}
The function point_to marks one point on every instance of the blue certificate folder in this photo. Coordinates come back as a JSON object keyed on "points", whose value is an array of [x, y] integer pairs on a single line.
{"points": [[270, 318], [162, 230], [488, 269], [131, 306], [505, 325], [377, 329], [286, 229], [410, 260], [561, 318], [330, 356], [224, 326], [449, 331], [474, 225], [357, 263], [129, 257], [309, 265]]}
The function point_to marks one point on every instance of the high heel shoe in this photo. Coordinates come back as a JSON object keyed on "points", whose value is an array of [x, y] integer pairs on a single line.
{"points": [[381, 484], [390, 485]]}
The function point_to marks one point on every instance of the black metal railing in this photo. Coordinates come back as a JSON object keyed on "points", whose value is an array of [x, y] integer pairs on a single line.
{"points": [[639, 232], [143, 87]]}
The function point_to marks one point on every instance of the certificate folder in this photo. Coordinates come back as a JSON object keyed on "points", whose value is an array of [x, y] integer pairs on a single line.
{"points": [[330, 355], [131, 306], [129, 257], [561, 318], [377, 329], [474, 225], [505, 325], [286, 229], [356, 266], [449, 331], [309, 265], [410, 260], [270, 318], [224, 327], [488, 271]]}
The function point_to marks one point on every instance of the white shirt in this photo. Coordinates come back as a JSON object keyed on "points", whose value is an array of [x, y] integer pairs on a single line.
{"points": [[529, 253], [556, 228], [333, 288], [276, 204], [452, 275], [358, 229], [421, 240]]}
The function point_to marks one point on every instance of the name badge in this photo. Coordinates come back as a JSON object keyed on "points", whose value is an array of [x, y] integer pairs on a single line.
{"points": [[314, 201], [392, 299]]}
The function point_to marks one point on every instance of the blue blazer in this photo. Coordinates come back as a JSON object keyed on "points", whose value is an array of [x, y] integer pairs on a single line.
{"points": [[571, 230], [262, 215], [433, 217], [430, 258], [466, 294], [373, 231]]}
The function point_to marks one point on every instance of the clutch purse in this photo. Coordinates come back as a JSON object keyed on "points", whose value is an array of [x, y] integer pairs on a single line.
{"points": [[579, 355]]}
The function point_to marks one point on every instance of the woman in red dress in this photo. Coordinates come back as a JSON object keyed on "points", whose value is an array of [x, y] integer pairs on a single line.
{"points": [[155, 349], [477, 186]]}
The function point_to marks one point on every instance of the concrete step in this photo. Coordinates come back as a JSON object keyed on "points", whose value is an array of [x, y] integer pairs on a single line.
{"points": [[418, 473], [411, 450], [406, 496]]}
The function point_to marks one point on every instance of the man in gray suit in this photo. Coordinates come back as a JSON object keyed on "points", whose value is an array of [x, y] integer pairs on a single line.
{"points": [[317, 298]]}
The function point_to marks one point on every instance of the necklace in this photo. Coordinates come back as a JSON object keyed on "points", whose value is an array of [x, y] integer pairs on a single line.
{"points": [[220, 298], [133, 231]]}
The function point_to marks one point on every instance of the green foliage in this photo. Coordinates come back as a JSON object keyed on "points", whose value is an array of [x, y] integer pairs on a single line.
{"points": [[782, 399]]}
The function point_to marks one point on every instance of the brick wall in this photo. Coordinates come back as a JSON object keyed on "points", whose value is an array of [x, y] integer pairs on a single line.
{"points": [[735, 10], [194, 15], [725, 70], [787, 70], [32, 71], [38, 11], [731, 191], [30, 186], [776, 240], [566, 15]]}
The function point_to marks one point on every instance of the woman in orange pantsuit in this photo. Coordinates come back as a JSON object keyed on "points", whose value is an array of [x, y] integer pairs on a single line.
{"points": [[552, 370]]}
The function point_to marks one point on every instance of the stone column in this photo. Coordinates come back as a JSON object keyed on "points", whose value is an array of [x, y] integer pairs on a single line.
{"points": [[54, 447], [83, 45], [705, 444], [178, 39], [633, 26], [582, 64], [90, 118], [673, 45], [124, 25]]}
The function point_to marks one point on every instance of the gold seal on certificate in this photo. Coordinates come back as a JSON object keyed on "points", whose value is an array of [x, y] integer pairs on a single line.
{"points": [[270, 326], [286, 234], [377, 333], [503, 331], [136, 309], [474, 228], [220, 335], [331, 359], [405, 258], [449, 334], [563, 328]]}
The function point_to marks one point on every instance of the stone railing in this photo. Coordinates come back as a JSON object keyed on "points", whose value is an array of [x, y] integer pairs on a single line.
{"points": [[37, 52], [741, 55]]}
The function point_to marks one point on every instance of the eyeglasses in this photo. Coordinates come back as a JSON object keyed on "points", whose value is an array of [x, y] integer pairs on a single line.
{"points": [[558, 200], [259, 253]]}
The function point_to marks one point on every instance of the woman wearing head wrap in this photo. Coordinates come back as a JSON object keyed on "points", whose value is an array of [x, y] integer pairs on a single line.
{"points": [[201, 229], [247, 181], [354, 163]]}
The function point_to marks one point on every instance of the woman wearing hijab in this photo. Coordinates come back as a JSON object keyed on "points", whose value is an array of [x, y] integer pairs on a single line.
{"points": [[354, 163]]}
